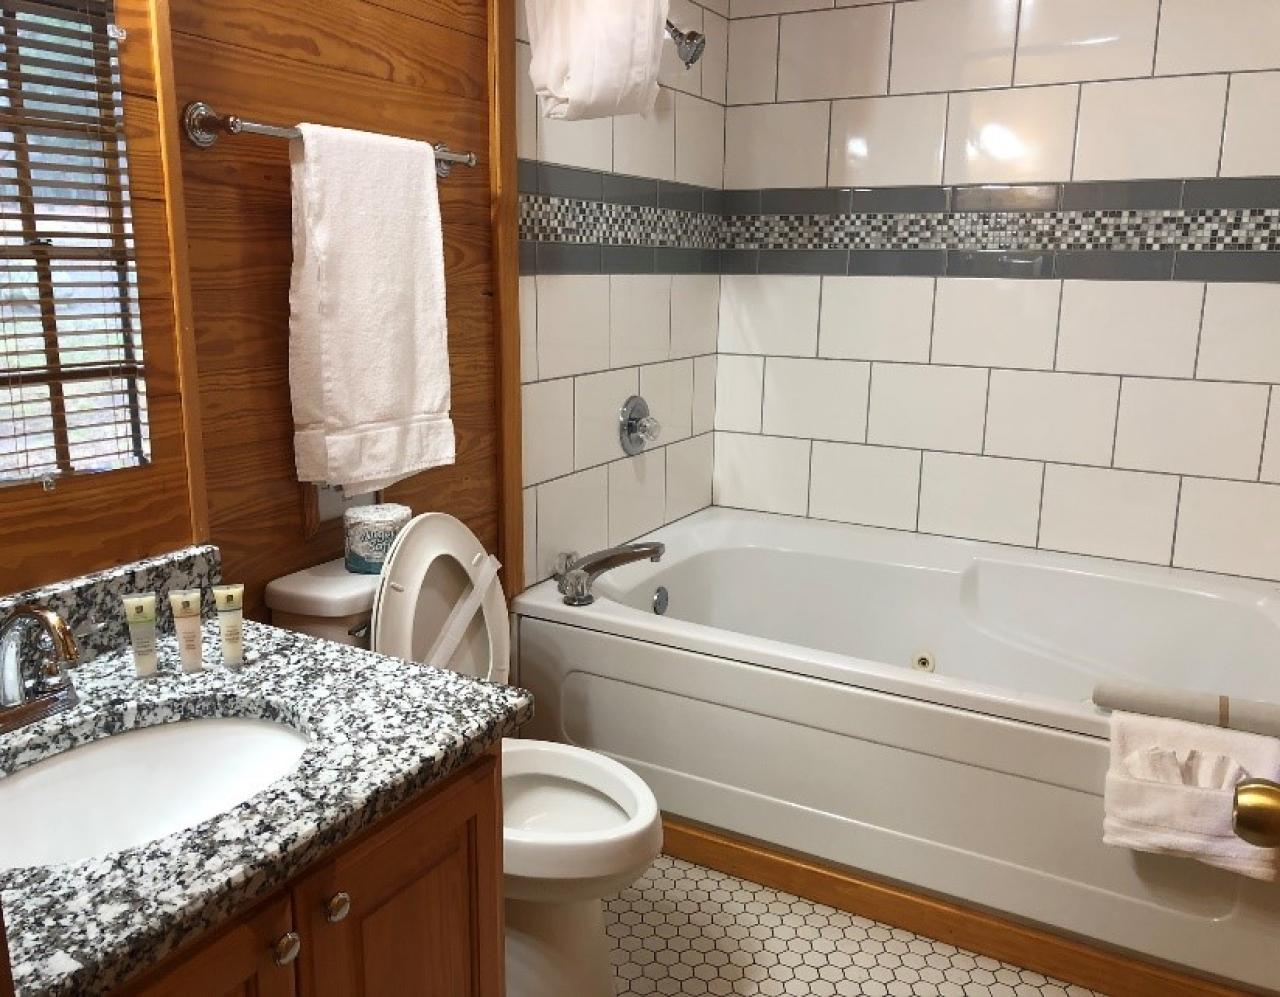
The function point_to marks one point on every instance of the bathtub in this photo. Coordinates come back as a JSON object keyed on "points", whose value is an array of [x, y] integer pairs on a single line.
{"points": [[916, 707]]}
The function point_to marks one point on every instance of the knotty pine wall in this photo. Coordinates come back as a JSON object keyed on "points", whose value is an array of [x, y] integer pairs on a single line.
{"points": [[417, 68]]}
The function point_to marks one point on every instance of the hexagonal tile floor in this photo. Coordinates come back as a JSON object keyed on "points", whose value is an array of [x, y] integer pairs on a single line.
{"points": [[683, 929]]}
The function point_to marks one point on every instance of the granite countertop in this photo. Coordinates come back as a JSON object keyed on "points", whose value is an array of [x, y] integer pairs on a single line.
{"points": [[380, 731]]}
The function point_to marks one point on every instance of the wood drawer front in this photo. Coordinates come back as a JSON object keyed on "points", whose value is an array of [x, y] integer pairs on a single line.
{"points": [[235, 963]]}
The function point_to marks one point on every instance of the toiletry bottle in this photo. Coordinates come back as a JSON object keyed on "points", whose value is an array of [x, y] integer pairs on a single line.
{"points": [[140, 615], [229, 600], [186, 623]]}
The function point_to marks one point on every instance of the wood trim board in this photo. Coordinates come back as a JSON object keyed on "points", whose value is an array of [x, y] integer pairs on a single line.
{"points": [[1030, 947], [504, 206]]}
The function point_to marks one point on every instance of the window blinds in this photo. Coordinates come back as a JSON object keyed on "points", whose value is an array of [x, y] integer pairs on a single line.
{"points": [[72, 391]]}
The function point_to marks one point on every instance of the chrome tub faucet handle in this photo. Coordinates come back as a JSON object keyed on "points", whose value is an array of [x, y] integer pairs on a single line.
{"points": [[577, 574]]}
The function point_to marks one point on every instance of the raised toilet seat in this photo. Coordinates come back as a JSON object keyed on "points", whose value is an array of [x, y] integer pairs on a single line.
{"points": [[577, 826]]}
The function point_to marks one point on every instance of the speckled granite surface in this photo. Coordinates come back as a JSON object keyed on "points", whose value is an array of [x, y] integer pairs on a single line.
{"points": [[91, 603], [380, 730]]}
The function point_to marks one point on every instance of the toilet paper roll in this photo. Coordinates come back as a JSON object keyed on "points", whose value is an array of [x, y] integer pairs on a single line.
{"points": [[369, 531]]}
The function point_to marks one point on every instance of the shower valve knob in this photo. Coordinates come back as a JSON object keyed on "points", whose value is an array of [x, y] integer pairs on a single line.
{"points": [[650, 428], [636, 427]]}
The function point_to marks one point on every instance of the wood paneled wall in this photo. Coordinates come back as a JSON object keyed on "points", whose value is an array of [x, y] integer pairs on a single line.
{"points": [[417, 68]]}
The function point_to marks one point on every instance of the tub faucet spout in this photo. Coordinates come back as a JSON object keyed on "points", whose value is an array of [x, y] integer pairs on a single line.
{"points": [[577, 574]]}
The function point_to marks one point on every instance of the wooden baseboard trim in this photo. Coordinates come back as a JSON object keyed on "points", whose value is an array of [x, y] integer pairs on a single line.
{"points": [[945, 920]]}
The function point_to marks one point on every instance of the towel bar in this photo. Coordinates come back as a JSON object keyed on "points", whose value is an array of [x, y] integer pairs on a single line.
{"points": [[203, 125], [1256, 814]]}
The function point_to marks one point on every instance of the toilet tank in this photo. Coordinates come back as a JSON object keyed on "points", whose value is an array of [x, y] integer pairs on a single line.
{"points": [[325, 601]]}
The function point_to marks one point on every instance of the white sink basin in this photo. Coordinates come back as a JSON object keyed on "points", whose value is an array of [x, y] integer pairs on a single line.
{"points": [[134, 787]]}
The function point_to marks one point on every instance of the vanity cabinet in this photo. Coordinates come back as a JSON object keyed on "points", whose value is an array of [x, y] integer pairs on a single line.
{"points": [[410, 908]]}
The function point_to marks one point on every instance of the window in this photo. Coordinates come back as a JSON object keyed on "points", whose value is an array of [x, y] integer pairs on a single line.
{"points": [[72, 392]]}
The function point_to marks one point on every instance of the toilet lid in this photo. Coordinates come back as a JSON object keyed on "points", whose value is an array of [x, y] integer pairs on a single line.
{"points": [[430, 569]]}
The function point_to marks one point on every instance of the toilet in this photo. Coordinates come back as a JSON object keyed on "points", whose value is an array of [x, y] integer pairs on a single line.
{"points": [[577, 826]]}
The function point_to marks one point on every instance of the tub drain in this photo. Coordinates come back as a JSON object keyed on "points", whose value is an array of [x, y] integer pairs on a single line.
{"points": [[660, 600], [922, 662]]}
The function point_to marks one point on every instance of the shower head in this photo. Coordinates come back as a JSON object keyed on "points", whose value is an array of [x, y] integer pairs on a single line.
{"points": [[689, 44]]}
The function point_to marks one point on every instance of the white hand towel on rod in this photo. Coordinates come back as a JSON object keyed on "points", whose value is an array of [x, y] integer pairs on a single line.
{"points": [[1170, 789], [596, 58], [368, 342]]}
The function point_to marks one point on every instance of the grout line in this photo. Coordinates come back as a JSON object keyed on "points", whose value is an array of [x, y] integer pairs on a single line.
{"points": [[893, 23], [1024, 459], [1044, 467], [1204, 303], [808, 498], [986, 410], [817, 346], [1155, 42], [777, 62], [919, 485], [1182, 570], [1112, 375], [946, 135], [1115, 422], [1177, 515], [933, 319], [997, 89], [1017, 37], [1075, 138], [1222, 132], [866, 429], [764, 363], [1057, 329], [1266, 430]]}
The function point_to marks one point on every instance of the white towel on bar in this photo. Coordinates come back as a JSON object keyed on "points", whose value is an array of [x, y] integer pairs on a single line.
{"points": [[596, 58], [368, 343], [1171, 786]]}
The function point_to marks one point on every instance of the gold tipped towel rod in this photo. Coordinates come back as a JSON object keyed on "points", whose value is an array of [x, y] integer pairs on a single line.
{"points": [[203, 125], [1256, 816]]}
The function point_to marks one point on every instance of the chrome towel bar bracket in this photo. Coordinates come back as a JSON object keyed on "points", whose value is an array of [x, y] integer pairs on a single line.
{"points": [[203, 125]]}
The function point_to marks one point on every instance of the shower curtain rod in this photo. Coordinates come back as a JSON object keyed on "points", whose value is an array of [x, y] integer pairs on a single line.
{"points": [[203, 125]]}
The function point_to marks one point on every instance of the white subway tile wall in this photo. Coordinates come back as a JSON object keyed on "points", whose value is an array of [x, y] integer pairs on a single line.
{"points": [[1141, 91], [1111, 418], [887, 141], [607, 337], [980, 428], [1011, 136]]}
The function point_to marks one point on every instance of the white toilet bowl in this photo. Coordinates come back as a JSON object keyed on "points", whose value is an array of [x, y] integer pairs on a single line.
{"points": [[577, 826]]}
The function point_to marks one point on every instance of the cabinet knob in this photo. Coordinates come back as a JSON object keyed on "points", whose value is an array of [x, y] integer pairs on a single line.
{"points": [[337, 907], [286, 948]]}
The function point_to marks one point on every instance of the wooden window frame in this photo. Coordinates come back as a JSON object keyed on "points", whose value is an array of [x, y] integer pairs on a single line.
{"points": [[93, 521], [113, 256]]}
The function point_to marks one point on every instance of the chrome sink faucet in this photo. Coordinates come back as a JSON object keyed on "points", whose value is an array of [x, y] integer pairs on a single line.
{"points": [[31, 689], [575, 575]]}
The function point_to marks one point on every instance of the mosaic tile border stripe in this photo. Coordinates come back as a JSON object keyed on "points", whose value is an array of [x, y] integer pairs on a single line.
{"points": [[581, 221]]}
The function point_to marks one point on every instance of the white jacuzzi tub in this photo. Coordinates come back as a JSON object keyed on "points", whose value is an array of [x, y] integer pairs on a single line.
{"points": [[778, 698]]}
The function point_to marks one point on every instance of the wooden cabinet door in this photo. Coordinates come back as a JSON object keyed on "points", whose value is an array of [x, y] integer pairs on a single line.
{"points": [[6, 979], [425, 912], [236, 962]]}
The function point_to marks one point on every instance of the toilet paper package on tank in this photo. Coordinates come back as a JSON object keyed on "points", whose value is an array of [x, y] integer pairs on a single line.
{"points": [[369, 530]]}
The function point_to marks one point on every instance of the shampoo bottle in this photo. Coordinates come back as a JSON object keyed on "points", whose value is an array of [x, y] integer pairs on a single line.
{"points": [[140, 615], [229, 599], [186, 623]]}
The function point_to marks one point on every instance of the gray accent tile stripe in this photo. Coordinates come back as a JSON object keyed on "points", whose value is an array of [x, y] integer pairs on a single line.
{"points": [[1001, 197], [1223, 229], [1120, 195], [1089, 265]]}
